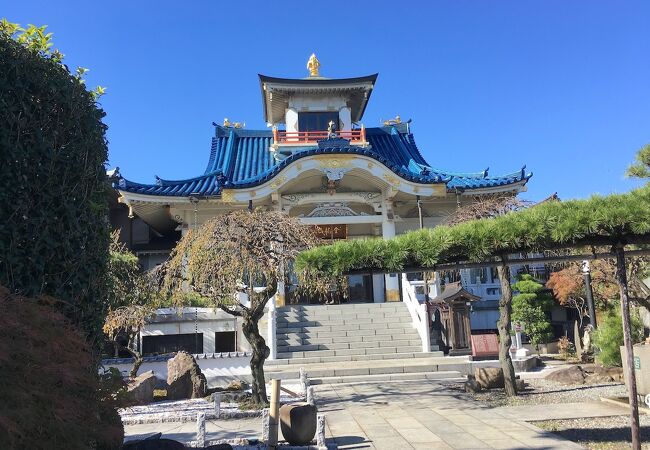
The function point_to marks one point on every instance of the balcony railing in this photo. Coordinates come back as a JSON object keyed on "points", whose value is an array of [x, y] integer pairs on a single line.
{"points": [[304, 137]]}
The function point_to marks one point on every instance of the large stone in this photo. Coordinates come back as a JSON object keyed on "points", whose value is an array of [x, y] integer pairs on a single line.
{"points": [[141, 388], [472, 386], [489, 377], [568, 375], [298, 423], [184, 378]]}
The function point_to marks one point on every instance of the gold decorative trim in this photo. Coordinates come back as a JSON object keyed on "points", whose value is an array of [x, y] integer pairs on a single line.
{"points": [[253, 194], [370, 165], [334, 163], [228, 196], [393, 180], [278, 181], [392, 295], [299, 166], [439, 190]]}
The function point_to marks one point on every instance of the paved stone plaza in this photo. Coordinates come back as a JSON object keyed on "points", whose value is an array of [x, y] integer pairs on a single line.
{"points": [[409, 415]]}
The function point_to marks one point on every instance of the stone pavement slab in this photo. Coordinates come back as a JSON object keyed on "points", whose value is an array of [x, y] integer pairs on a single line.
{"points": [[533, 413], [407, 415]]}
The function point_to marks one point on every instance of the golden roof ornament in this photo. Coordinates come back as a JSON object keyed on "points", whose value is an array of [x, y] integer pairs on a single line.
{"points": [[313, 65], [394, 121], [228, 123]]}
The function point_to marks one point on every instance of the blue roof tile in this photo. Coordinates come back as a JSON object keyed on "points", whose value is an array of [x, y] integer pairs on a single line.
{"points": [[241, 158]]}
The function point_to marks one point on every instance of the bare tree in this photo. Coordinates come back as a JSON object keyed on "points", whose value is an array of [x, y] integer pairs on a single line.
{"points": [[128, 321], [239, 253], [131, 300]]}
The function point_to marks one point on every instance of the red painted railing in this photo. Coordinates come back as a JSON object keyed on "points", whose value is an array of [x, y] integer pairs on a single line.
{"points": [[295, 137]]}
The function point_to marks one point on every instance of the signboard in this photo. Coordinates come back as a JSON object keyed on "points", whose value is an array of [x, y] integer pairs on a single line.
{"points": [[637, 363], [485, 345], [330, 231]]}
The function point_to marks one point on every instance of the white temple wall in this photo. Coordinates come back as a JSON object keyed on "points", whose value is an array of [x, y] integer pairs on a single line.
{"points": [[316, 104]]}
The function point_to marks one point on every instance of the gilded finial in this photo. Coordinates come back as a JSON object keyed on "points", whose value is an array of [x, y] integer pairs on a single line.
{"points": [[313, 65], [228, 123], [394, 121]]}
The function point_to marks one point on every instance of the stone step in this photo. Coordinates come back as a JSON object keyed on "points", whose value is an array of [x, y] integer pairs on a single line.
{"points": [[347, 358], [377, 367], [362, 341], [284, 348], [430, 376], [350, 351], [365, 334], [345, 321], [350, 336], [345, 315], [345, 308], [366, 328]]}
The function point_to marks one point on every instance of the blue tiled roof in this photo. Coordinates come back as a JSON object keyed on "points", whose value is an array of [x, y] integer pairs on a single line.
{"points": [[241, 158]]}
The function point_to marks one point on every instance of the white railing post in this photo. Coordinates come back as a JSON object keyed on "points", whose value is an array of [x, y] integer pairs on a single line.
{"points": [[425, 333], [419, 313], [271, 333]]}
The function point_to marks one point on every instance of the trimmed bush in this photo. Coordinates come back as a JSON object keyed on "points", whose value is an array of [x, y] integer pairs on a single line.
{"points": [[53, 186], [608, 338]]}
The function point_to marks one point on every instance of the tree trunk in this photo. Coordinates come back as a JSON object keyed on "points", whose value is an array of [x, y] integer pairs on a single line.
{"points": [[136, 364], [621, 279], [505, 340], [260, 353], [137, 358]]}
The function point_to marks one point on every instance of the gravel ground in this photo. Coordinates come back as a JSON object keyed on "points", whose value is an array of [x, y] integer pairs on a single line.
{"points": [[186, 411], [541, 392], [605, 433]]}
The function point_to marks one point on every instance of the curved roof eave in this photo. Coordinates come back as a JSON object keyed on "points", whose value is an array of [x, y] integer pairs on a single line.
{"points": [[192, 186]]}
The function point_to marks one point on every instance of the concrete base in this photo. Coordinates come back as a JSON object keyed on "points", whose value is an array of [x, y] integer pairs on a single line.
{"points": [[525, 364]]}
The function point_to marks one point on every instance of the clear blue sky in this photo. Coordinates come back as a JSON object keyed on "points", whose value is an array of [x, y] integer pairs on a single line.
{"points": [[562, 86]]}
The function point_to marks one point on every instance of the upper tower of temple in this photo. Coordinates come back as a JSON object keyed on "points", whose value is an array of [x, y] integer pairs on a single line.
{"points": [[311, 108]]}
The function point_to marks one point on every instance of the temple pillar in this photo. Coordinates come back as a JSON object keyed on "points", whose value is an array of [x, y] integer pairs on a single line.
{"points": [[391, 280], [280, 298], [378, 288], [345, 117]]}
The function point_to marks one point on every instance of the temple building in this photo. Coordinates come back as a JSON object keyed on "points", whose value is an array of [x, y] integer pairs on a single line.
{"points": [[317, 162]]}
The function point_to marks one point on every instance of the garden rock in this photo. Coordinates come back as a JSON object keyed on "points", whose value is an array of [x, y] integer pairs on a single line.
{"points": [[298, 423], [489, 377], [520, 384], [568, 375], [472, 386], [184, 378], [141, 388]]}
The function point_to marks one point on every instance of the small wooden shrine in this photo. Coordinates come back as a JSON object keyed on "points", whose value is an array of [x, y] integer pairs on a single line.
{"points": [[451, 328]]}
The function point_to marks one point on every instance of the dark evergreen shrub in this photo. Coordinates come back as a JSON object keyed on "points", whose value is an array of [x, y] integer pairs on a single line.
{"points": [[53, 198]]}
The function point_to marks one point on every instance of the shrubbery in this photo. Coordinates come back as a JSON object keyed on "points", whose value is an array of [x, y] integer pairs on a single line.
{"points": [[608, 338], [49, 397], [53, 186]]}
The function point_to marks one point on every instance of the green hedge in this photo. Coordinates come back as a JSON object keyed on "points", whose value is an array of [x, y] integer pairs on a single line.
{"points": [[53, 187], [600, 219]]}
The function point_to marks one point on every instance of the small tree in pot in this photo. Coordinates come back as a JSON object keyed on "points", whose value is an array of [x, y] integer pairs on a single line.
{"points": [[239, 253]]}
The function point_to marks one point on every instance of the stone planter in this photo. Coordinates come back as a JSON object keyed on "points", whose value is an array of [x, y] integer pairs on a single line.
{"points": [[298, 423]]}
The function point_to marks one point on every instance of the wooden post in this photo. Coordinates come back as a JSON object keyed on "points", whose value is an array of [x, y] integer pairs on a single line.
{"points": [[274, 414], [621, 279], [217, 404]]}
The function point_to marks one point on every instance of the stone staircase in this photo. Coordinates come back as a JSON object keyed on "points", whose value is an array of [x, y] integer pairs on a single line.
{"points": [[358, 342]]}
